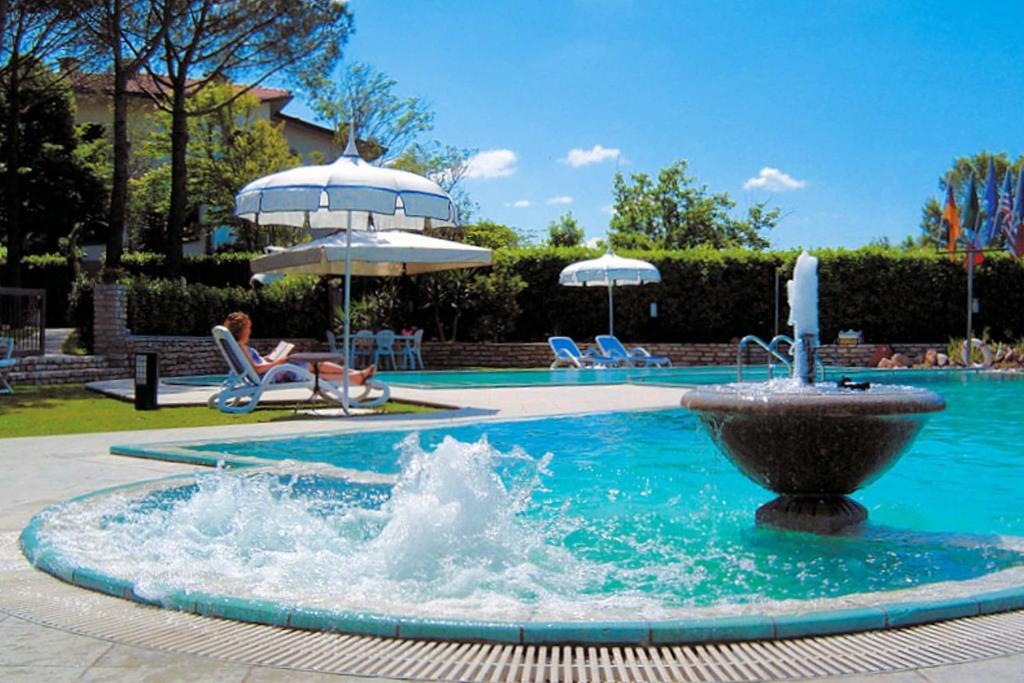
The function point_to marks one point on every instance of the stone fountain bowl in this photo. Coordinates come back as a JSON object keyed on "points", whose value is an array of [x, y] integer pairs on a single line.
{"points": [[817, 440]]}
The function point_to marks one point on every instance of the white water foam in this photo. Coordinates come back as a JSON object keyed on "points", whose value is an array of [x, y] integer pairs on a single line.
{"points": [[460, 535]]}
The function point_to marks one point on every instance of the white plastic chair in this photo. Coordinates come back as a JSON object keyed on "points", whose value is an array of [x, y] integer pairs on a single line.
{"points": [[6, 363], [244, 388], [412, 357], [363, 343], [385, 348]]}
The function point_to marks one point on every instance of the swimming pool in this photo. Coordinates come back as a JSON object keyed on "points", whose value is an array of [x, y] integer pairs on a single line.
{"points": [[625, 515]]}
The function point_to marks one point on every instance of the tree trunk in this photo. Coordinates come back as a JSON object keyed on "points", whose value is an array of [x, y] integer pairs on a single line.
{"points": [[119, 187], [178, 212], [15, 235], [119, 184]]}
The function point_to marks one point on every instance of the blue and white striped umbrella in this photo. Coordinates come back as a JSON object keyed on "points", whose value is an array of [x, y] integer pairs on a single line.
{"points": [[321, 197]]}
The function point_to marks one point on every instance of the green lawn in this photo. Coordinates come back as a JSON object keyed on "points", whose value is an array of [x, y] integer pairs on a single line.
{"points": [[72, 409]]}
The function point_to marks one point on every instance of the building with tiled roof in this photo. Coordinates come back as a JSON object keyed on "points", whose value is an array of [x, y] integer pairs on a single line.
{"points": [[93, 93]]}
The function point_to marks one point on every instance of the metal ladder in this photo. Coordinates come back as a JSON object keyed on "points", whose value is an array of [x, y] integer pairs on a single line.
{"points": [[772, 349]]}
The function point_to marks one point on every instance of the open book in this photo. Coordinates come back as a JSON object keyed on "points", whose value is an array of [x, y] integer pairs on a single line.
{"points": [[283, 348]]}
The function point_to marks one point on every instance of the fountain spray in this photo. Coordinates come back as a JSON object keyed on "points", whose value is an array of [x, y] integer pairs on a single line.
{"points": [[803, 316]]}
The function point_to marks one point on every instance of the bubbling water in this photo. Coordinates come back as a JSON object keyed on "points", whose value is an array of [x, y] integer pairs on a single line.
{"points": [[452, 529], [468, 530]]}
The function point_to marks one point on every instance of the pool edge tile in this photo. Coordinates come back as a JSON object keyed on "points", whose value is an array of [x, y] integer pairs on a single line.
{"points": [[829, 622], [712, 629], [913, 613], [587, 633]]}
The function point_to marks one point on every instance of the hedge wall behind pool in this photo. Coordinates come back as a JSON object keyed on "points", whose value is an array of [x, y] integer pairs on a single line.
{"points": [[704, 296], [712, 296]]}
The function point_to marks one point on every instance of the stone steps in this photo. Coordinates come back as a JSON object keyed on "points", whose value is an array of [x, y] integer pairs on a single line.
{"points": [[58, 369]]}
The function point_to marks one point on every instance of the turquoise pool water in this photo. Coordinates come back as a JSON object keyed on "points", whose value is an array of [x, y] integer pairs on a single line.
{"points": [[474, 379], [628, 512]]}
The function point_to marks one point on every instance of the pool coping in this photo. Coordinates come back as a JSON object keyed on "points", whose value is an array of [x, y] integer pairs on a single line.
{"points": [[690, 630]]}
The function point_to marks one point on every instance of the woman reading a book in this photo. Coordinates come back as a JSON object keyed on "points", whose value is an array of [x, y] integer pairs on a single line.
{"points": [[240, 326]]}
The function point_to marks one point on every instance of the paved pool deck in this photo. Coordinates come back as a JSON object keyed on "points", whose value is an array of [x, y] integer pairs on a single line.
{"points": [[39, 471]]}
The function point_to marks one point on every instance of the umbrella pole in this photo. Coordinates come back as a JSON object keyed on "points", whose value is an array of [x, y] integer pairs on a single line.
{"points": [[611, 310], [346, 330]]}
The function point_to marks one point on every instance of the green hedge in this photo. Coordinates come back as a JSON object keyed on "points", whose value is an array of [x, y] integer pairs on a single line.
{"points": [[295, 307], [229, 269], [52, 273], [704, 296]]}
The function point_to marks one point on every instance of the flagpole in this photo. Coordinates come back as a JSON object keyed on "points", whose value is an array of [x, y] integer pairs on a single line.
{"points": [[970, 295]]}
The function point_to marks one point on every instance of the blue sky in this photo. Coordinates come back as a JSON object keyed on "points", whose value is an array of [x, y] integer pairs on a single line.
{"points": [[856, 108]]}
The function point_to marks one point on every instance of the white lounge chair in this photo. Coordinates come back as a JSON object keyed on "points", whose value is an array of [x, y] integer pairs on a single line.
{"points": [[568, 355], [637, 356], [6, 363], [242, 391]]}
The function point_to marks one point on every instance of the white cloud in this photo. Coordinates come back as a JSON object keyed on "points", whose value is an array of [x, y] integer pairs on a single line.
{"points": [[773, 179], [584, 157], [561, 199], [608, 209], [494, 163], [592, 242], [519, 204]]}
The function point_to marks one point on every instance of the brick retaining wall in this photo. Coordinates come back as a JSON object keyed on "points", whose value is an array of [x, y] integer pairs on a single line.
{"points": [[199, 356], [441, 356], [64, 370]]}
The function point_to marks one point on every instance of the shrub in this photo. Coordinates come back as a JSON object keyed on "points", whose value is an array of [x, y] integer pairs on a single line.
{"points": [[230, 269], [294, 307]]}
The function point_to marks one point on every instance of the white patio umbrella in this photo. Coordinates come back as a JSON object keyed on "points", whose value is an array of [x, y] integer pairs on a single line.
{"points": [[380, 254], [607, 271], [349, 194]]}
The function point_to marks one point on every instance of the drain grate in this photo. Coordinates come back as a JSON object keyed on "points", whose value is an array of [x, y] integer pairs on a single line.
{"points": [[37, 597]]}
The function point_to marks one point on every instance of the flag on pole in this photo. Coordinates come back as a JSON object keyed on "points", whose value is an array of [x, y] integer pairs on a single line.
{"points": [[988, 230], [1004, 214], [951, 220], [1017, 218], [970, 221]]}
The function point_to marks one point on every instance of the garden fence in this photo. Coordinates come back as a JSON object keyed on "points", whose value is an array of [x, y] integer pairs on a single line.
{"points": [[23, 317]]}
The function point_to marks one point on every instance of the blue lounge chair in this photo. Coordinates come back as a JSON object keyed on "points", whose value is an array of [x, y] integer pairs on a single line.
{"points": [[244, 388], [6, 363], [567, 354], [638, 356]]}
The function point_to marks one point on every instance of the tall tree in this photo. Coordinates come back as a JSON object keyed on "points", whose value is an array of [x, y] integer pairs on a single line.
{"points": [[565, 232], [32, 34], [932, 233], [125, 35], [50, 165], [227, 148], [386, 124], [211, 41], [677, 212]]}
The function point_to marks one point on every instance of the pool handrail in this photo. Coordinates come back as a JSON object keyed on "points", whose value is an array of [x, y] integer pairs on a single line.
{"points": [[772, 349]]}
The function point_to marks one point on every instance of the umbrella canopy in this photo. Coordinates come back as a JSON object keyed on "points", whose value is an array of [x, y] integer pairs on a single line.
{"points": [[350, 194], [607, 271], [322, 196], [381, 254]]}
